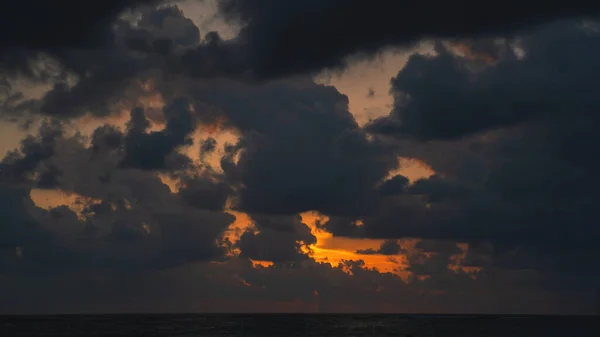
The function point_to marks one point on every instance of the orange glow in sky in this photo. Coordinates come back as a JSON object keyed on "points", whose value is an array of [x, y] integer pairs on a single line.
{"points": [[333, 250], [48, 199], [412, 169]]}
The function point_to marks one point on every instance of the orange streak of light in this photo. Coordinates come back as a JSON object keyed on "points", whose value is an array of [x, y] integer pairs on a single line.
{"points": [[333, 250], [48, 199], [263, 264], [413, 169]]}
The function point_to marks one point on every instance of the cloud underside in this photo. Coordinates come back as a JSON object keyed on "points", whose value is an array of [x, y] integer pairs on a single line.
{"points": [[221, 177]]}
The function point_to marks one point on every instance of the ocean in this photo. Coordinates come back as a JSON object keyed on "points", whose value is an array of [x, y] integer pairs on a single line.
{"points": [[285, 325]]}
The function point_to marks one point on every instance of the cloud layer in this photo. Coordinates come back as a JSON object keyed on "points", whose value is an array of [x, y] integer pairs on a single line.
{"points": [[187, 172]]}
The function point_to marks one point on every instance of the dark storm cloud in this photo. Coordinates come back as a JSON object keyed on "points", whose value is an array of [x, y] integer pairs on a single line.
{"points": [[108, 55], [18, 227], [205, 193], [149, 150], [440, 247], [388, 247], [545, 161], [271, 245], [141, 227], [53, 25], [165, 39], [165, 26], [434, 265], [554, 79], [49, 178], [192, 236], [395, 185], [32, 28], [279, 239], [215, 58], [101, 75], [43, 159], [122, 239], [301, 149], [302, 37], [108, 76], [137, 224], [131, 222], [512, 147], [294, 175], [150, 248], [96, 80], [106, 138], [521, 195], [19, 166], [239, 287], [275, 39], [438, 189]]}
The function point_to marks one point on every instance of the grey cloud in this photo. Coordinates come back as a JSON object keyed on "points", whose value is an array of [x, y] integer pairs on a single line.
{"points": [[549, 81], [443, 247], [206, 193], [133, 238], [166, 26], [302, 149], [514, 158], [274, 40], [270, 245], [106, 138], [512, 142], [137, 224], [53, 27], [108, 75], [388, 247], [279, 239], [19, 166], [52, 30], [279, 41], [149, 151], [395, 185], [18, 227]]}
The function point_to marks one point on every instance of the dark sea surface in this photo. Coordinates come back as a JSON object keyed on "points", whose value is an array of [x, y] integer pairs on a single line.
{"points": [[299, 325]]}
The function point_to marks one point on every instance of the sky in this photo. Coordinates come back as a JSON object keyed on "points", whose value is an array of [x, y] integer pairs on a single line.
{"points": [[302, 156]]}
